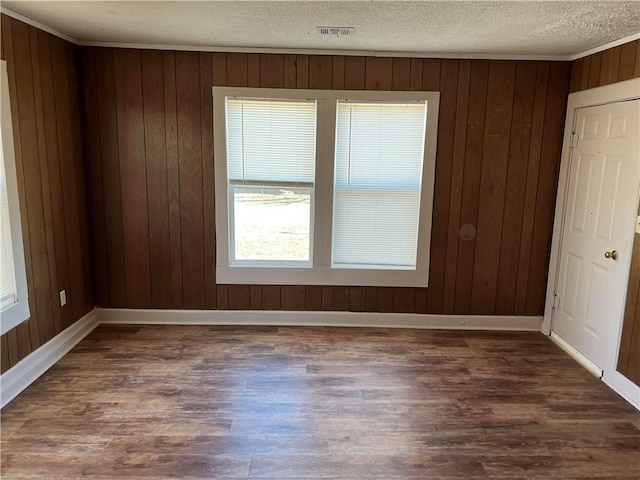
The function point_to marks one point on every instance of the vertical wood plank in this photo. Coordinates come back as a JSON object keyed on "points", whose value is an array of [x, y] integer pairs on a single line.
{"points": [[213, 71], [547, 186], [431, 74], [379, 73], [457, 177], [594, 70], [173, 176], [237, 70], [290, 71], [253, 70], [338, 73], [495, 158], [586, 70], [71, 192], [371, 299], [415, 83], [404, 300], [520, 136], [30, 180], [271, 70], [222, 297], [327, 298], [320, 71], [577, 67], [239, 297], [421, 300], [384, 299], [111, 176], [44, 330], [471, 182], [64, 315], [133, 172], [354, 73], [216, 72], [636, 69], [271, 297], [256, 297], [156, 172], [4, 354], [313, 298], [627, 61], [357, 299], [86, 301], [340, 299], [531, 190], [191, 192], [631, 320], [401, 75], [302, 71], [12, 340], [605, 70], [91, 131], [442, 186], [293, 297]]}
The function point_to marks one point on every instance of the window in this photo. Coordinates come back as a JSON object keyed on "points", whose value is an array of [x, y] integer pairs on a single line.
{"points": [[324, 187], [14, 306]]}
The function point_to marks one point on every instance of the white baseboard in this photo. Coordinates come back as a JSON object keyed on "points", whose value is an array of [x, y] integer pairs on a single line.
{"points": [[623, 387], [29, 369], [587, 364], [320, 319]]}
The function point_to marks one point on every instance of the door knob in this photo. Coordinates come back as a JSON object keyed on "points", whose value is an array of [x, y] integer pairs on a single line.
{"points": [[613, 254]]}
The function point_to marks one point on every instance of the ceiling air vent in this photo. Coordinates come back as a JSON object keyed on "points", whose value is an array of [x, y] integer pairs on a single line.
{"points": [[336, 31]]}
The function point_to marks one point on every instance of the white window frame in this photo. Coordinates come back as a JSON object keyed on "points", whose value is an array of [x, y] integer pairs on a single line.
{"points": [[321, 273], [18, 312]]}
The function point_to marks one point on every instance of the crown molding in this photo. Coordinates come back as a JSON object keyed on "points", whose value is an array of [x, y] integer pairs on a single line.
{"points": [[300, 51], [34, 23], [606, 46]]}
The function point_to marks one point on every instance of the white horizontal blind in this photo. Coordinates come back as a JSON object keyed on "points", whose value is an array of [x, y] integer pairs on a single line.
{"points": [[7, 281], [378, 176], [271, 141]]}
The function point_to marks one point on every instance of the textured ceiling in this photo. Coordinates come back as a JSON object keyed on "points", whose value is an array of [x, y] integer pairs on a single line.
{"points": [[512, 28]]}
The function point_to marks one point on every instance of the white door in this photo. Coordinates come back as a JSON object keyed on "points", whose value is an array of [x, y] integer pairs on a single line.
{"points": [[599, 224]]}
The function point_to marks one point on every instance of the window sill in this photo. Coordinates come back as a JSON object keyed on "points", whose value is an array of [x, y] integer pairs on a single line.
{"points": [[321, 276]]}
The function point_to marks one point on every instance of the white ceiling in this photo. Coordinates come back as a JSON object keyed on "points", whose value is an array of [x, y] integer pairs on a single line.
{"points": [[492, 28]]}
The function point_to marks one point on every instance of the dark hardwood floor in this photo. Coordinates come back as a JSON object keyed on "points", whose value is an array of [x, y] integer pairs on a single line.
{"points": [[302, 403]]}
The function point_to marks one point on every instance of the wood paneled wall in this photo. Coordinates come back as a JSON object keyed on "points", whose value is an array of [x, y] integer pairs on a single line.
{"points": [[629, 358], [609, 66], [43, 85], [148, 129]]}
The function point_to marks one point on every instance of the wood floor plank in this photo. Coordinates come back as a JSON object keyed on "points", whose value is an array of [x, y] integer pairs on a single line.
{"points": [[234, 402]]}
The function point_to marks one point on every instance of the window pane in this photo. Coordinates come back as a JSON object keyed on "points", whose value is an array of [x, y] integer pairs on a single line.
{"points": [[377, 184], [271, 140], [272, 223]]}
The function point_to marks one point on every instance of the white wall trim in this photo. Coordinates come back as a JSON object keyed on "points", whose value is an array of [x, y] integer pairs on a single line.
{"points": [[606, 46], [27, 370], [322, 319], [312, 51], [303, 51], [34, 23], [587, 364], [623, 387]]}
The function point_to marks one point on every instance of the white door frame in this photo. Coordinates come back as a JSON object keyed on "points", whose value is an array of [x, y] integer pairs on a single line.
{"points": [[627, 90]]}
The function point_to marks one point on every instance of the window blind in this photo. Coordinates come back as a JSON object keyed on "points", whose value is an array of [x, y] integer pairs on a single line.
{"points": [[7, 282], [378, 176], [271, 141]]}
